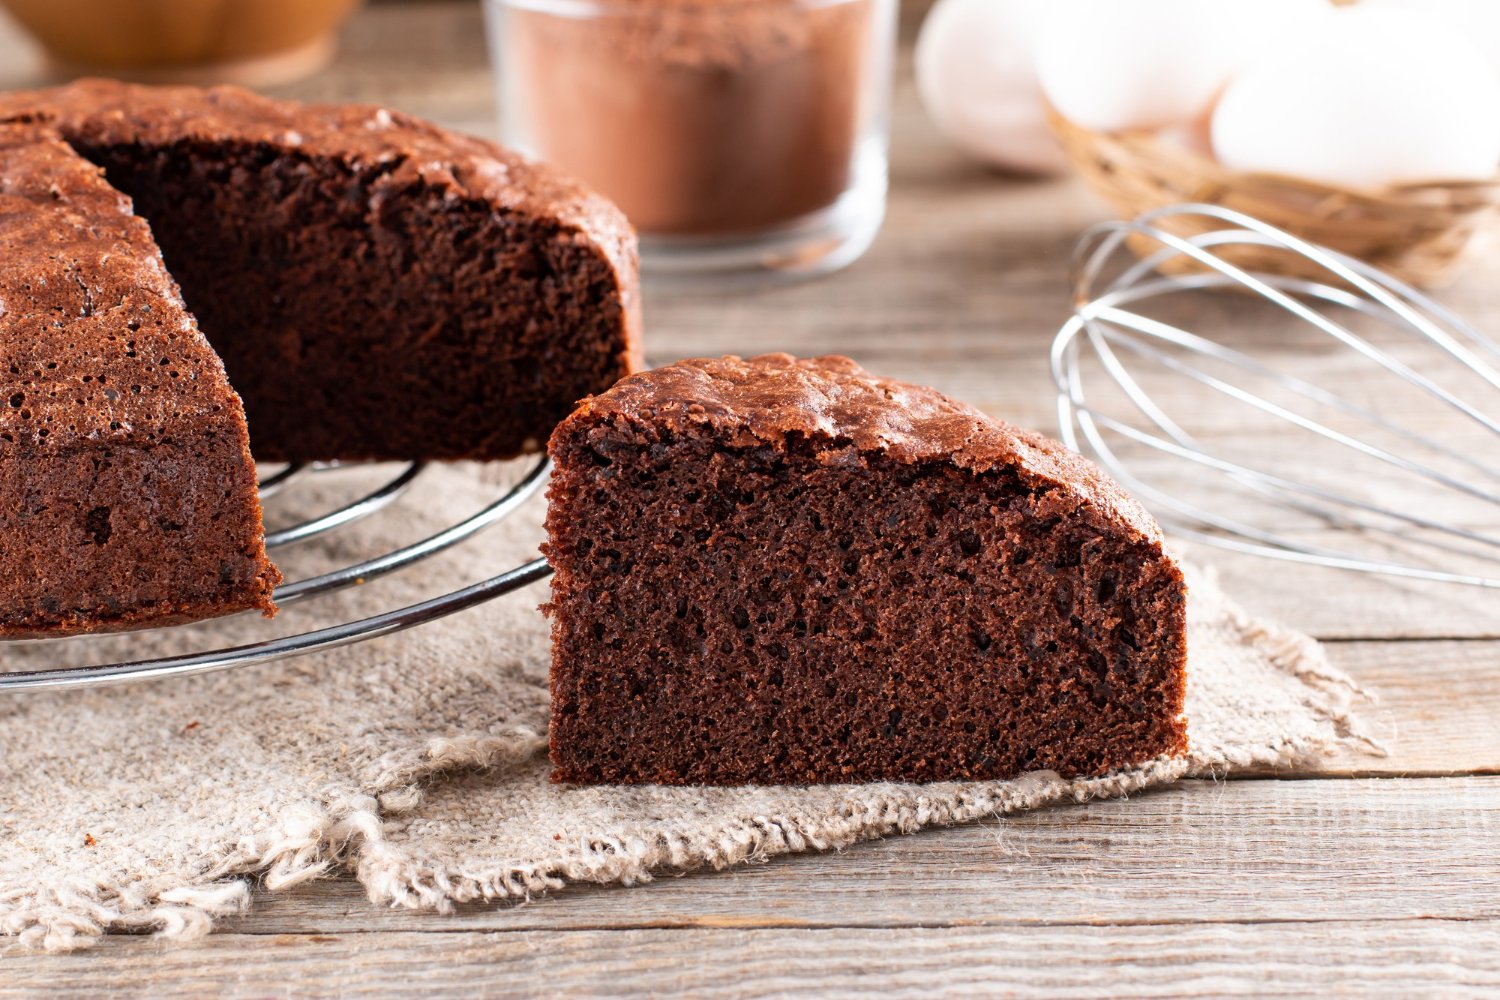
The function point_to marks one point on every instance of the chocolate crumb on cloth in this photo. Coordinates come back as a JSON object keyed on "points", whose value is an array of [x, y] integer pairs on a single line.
{"points": [[785, 571]]}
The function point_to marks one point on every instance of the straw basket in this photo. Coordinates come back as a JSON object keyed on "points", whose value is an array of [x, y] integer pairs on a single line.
{"points": [[1416, 232]]}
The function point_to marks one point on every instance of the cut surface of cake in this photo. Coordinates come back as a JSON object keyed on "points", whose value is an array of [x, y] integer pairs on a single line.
{"points": [[792, 571], [378, 287], [127, 491]]}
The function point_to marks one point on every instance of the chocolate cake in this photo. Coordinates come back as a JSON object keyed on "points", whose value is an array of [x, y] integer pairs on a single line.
{"points": [[793, 571], [127, 492], [377, 287]]}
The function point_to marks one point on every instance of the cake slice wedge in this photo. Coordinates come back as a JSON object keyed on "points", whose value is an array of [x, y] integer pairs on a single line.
{"points": [[791, 571], [127, 492]]}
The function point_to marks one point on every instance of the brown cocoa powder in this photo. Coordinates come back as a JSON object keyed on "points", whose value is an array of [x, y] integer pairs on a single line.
{"points": [[697, 117]]}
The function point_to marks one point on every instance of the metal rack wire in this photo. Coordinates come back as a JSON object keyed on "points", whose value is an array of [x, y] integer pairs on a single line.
{"points": [[358, 573]]}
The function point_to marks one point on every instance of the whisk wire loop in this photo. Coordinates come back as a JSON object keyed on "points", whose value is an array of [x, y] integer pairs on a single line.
{"points": [[1114, 343], [1198, 250]]}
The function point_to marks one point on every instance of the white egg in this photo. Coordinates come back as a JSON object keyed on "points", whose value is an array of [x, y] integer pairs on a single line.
{"points": [[1479, 20], [976, 74], [1111, 65], [1364, 98]]}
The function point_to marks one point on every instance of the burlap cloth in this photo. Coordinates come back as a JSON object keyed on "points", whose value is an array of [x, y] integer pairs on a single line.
{"points": [[418, 762]]}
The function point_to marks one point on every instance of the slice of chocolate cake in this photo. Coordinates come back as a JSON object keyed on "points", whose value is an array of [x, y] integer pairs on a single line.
{"points": [[784, 571], [127, 493], [378, 288]]}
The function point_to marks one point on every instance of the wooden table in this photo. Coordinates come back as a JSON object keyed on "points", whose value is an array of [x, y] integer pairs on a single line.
{"points": [[1356, 873]]}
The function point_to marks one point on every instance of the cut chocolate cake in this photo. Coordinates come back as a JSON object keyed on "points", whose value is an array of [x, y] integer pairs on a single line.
{"points": [[784, 571], [127, 492], [378, 288]]}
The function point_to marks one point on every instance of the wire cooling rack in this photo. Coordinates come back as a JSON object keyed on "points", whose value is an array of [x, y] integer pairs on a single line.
{"points": [[371, 503]]}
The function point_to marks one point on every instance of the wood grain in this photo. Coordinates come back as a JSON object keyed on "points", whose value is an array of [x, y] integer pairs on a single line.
{"points": [[1199, 852], [1433, 708], [1405, 957]]}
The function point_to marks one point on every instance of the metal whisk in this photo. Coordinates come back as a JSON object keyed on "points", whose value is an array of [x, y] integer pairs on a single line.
{"points": [[1270, 396]]}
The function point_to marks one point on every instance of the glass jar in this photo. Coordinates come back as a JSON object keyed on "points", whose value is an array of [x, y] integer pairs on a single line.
{"points": [[745, 139]]}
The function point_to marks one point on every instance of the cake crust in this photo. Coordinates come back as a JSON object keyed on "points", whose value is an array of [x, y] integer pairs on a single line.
{"points": [[787, 571], [833, 400]]}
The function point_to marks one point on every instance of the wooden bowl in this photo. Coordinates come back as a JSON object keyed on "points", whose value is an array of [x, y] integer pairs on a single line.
{"points": [[253, 42], [1417, 232]]}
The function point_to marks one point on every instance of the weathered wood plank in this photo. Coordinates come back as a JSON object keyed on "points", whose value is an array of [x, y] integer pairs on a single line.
{"points": [[1201, 852], [1433, 708], [1332, 604], [1389, 957]]}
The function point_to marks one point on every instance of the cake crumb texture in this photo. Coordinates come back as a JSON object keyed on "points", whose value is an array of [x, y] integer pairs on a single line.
{"points": [[792, 571]]}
